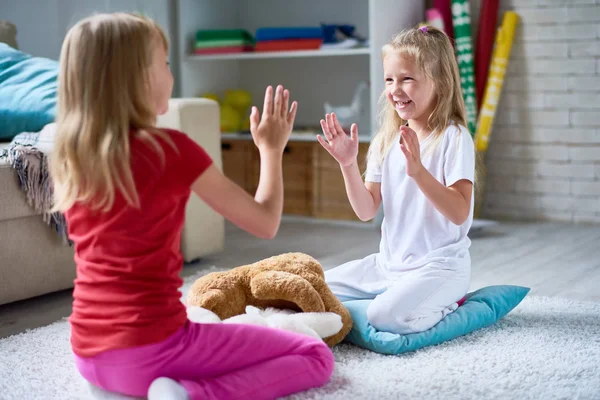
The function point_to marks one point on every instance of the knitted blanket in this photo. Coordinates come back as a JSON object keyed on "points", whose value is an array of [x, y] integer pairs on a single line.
{"points": [[28, 155]]}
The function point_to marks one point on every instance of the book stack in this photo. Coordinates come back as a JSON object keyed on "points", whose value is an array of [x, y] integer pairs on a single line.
{"points": [[288, 39], [223, 41]]}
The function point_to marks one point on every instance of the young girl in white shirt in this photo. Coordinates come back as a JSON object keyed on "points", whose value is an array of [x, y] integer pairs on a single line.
{"points": [[421, 167]]}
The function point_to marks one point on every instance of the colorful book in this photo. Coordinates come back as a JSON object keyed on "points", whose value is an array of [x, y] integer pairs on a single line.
{"points": [[223, 34], [206, 44], [223, 50], [274, 33], [288, 45]]}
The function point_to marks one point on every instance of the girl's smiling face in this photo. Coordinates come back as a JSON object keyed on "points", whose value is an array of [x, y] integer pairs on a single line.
{"points": [[410, 91]]}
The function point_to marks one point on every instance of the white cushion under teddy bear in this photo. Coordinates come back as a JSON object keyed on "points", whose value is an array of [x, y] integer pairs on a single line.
{"points": [[316, 324]]}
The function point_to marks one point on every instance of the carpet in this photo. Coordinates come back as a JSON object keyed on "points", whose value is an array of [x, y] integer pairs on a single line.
{"points": [[547, 348]]}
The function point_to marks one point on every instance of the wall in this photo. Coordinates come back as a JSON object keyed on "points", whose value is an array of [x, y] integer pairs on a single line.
{"points": [[544, 156]]}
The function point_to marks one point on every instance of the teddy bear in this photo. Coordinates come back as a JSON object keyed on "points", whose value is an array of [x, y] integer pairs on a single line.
{"points": [[290, 281]]}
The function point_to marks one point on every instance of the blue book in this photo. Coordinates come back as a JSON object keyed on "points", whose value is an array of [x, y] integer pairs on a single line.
{"points": [[263, 34]]}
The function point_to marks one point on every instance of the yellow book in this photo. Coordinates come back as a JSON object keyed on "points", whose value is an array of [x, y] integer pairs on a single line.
{"points": [[493, 87]]}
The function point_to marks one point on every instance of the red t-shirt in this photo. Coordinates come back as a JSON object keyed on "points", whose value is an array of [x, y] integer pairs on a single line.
{"points": [[128, 260]]}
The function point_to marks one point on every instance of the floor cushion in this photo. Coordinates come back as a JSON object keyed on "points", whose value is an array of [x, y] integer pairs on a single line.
{"points": [[480, 309]]}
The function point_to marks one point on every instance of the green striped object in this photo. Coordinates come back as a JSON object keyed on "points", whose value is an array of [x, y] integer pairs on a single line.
{"points": [[461, 19]]}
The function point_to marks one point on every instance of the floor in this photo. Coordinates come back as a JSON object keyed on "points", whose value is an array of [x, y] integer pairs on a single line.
{"points": [[554, 259]]}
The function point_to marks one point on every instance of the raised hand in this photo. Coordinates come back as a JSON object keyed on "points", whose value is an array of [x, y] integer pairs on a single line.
{"points": [[342, 147], [272, 131], [409, 144]]}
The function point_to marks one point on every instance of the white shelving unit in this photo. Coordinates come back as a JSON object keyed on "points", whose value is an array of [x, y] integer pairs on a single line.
{"points": [[313, 77], [299, 137], [281, 54]]}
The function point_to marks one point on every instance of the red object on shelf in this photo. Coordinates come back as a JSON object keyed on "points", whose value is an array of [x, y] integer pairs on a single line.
{"points": [[486, 33], [223, 50], [288, 45], [445, 8]]}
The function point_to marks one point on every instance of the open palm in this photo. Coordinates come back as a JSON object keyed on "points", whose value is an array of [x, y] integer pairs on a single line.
{"points": [[273, 130], [412, 151], [342, 147]]}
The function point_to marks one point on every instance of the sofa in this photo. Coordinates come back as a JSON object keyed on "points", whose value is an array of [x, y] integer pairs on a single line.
{"points": [[33, 259]]}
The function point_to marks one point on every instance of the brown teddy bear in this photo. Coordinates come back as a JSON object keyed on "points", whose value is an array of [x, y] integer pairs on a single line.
{"points": [[293, 281]]}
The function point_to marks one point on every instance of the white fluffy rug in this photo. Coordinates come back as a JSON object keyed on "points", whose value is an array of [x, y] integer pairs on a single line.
{"points": [[546, 348]]}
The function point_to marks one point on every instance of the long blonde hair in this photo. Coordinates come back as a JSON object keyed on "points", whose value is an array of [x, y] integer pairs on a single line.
{"points": [[431, 50], [103, 96]]}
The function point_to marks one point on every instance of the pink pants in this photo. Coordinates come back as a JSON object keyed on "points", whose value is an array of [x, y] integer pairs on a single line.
{"points": [[216, 361]]}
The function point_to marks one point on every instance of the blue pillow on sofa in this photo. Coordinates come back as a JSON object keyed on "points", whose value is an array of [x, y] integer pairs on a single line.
{"points": [[481, 308], [28, 87]]}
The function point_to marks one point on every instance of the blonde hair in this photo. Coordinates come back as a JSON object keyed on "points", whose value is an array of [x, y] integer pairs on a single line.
{"points": [[432, 52], [103, 96]]}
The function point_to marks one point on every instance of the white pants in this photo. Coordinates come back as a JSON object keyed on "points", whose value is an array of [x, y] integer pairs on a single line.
{"points": [[404, 302]]}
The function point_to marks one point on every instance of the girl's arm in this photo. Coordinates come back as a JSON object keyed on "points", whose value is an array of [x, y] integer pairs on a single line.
{"points": [[260, 215], [365, 197], [454, 202]]}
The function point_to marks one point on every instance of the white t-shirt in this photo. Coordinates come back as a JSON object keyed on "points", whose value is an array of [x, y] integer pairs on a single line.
{"points": [[414, 232]]}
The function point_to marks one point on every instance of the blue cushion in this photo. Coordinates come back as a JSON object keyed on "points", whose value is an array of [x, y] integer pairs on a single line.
{"points": [[482, 308], [28, 87]]}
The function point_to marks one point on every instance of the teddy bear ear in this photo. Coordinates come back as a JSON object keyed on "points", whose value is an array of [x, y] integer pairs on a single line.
{"points": [[271, 285]]}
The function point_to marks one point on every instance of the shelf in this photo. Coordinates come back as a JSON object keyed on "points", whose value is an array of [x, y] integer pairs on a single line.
{"points": [[294, 137], [281, 54]]}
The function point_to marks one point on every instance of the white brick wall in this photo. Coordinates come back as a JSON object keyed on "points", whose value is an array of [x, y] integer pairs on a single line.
{"points": [[543, 161]]}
